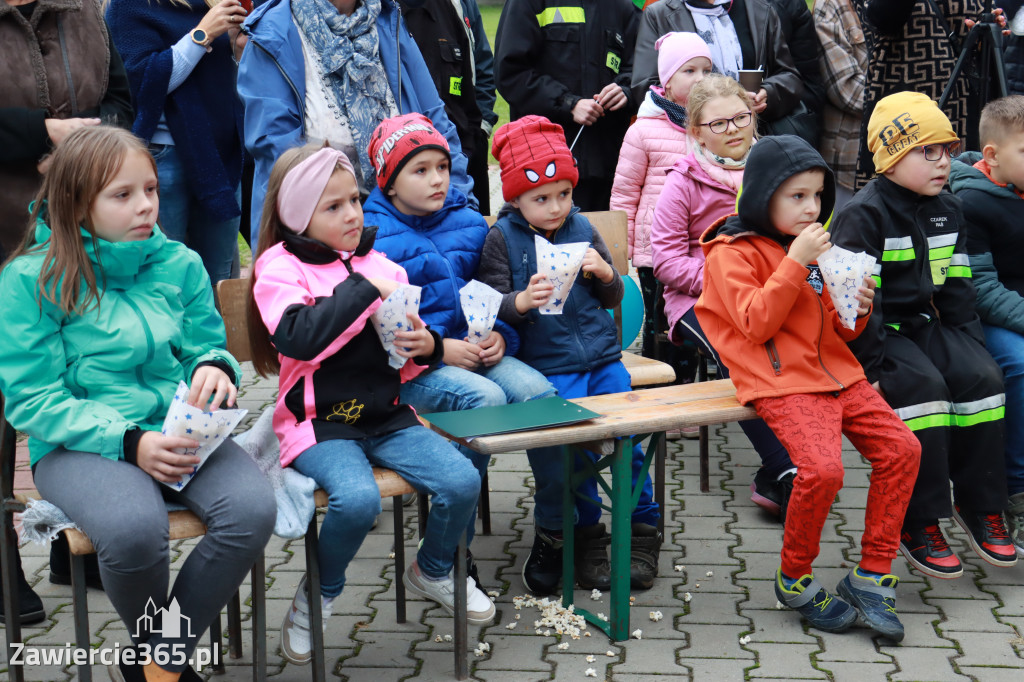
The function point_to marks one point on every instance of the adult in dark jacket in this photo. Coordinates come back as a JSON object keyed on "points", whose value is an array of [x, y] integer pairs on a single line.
{"points": [[761, 42], [484, 60], [42, 43], [179, 58], [446, 43], [1013, 45], [798, 29], [572, 61]]}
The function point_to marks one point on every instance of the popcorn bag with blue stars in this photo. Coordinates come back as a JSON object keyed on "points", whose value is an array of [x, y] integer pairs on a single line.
{"points": [[209, 428], [843, 272], [393, 316], [480, 305], [560, 263]]}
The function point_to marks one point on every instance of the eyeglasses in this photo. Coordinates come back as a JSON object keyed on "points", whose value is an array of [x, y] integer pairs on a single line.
{"points": [[720, 125], [933, 152]]}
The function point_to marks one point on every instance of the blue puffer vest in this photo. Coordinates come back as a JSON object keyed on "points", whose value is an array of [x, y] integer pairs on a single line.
{"points": [[583, 337], [440, 253]]}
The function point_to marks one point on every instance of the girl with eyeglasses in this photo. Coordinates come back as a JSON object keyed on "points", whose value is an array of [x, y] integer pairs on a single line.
{"points": [[701, 188]]}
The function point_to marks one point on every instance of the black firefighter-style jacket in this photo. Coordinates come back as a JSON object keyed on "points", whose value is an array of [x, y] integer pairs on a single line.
{"points": [[923, 273], [549, 54]]}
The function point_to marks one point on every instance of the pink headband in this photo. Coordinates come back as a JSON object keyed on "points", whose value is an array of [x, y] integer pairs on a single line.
{"points": [[304, 184]]}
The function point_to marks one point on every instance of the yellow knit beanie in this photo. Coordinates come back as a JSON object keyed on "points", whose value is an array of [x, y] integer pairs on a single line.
{"points": [[903, 121]]}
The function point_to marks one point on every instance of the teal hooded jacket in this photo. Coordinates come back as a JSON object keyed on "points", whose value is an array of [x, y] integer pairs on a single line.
{"points": [[82, 380]]}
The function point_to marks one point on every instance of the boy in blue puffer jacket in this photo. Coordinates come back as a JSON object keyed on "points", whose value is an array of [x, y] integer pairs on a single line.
{"points": [[425, 224], [577, 350]]}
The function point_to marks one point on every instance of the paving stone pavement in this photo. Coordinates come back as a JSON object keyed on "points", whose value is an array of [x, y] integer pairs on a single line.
{"points": [[719, 548]]}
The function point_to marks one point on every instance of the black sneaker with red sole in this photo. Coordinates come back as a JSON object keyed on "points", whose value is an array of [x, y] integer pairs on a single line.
{"points": [[926, 549], [988, 536]]}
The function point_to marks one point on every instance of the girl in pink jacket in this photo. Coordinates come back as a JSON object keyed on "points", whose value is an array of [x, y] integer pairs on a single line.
{"points": [[316, 282], [651, 146], [700, 189]]}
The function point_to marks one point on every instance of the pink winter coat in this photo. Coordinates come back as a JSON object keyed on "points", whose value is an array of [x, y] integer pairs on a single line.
{"points": [[651, 146], [696, 194]]}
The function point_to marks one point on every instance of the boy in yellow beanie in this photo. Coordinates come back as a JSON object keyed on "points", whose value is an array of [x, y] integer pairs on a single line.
{"points": [[923, 347]]}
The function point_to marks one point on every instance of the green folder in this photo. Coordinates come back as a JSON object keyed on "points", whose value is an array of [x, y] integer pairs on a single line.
{"points": [[528, 416]]}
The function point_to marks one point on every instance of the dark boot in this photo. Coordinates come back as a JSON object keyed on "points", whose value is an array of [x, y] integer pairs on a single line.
{"points": [[60, 565], [593, 570], [643, 557], [29, 603], [543, 568]]}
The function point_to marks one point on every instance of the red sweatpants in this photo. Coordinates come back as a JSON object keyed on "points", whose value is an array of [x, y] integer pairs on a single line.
{"points": [[811, 426]]}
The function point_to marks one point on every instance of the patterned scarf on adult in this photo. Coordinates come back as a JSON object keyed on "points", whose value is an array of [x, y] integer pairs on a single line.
{"points": [[716, 28], [349, 55]]}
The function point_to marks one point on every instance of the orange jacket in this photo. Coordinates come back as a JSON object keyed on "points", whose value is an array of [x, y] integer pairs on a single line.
{"points": [[773, 332]]}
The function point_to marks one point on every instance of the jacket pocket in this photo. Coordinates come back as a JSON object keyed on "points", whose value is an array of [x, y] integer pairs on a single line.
{"points": [[615, 48], [450, 79], [773, 356]]}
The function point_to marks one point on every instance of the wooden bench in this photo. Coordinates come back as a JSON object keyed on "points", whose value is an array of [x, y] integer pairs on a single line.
{"points": [[626, 418], [232, 295]]}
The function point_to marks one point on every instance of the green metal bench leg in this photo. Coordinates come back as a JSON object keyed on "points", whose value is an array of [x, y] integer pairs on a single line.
{"points": [[568, 528], [660, 456], [80, 605], [622, 512]]}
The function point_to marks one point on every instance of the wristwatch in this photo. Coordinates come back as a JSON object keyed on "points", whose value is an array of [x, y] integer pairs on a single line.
{"points": [[199, 37]]}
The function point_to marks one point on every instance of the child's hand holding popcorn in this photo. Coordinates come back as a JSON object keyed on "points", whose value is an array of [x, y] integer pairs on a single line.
{"points": [[597, 266], [415, 342], [865, 295], [536, 294], [210, 381]]}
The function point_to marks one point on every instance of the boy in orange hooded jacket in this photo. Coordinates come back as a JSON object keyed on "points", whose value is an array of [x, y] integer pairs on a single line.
{"points": [[764, 298]]}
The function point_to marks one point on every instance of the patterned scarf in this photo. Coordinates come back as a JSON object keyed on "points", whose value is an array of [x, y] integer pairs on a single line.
{"points": [[716, 28], [676, 112], [349, 56]]}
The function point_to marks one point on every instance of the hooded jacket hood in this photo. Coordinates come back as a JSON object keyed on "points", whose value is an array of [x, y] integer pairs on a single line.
{"points": [[772, 161], [963, 175]]}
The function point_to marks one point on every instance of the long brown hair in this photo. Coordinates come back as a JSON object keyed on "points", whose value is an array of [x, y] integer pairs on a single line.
{"points": [[272, 231], [81, 166]]}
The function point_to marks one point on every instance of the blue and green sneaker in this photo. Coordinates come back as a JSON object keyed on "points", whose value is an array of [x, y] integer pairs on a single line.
{"points": [[807, 597], [874, 597]]}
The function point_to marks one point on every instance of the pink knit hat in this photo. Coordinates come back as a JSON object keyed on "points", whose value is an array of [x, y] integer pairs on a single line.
{"points": [[303, 185], [677, 48]]}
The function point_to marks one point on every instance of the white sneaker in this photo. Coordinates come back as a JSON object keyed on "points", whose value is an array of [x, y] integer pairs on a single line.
{"points": [[296, 639], [479, 607]]}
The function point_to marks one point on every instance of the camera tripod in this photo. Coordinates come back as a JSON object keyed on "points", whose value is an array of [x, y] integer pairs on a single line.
{"points": [[987, 37]]}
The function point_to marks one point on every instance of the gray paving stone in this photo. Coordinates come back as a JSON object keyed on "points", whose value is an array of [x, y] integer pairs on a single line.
{"points": [[989, 649], [777, 626], [785, 661], [918, 664], [856, 671]]}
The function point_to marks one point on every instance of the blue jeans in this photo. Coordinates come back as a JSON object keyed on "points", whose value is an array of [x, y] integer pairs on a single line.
{"points": [[449, 389], [183, 219], [548, 472], [1007, 347], [420, 456]]}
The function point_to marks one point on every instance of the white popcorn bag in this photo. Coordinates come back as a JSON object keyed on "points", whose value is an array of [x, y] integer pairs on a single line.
{"points": [[393, 316], [560, 263], [843, 272], [209, 428], [480, 305]]}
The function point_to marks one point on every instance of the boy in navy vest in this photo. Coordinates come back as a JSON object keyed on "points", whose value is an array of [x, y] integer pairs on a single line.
{"points": [[578, 350]]}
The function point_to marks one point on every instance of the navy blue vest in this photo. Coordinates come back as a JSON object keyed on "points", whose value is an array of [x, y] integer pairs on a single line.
{"points": [[583, 337]]}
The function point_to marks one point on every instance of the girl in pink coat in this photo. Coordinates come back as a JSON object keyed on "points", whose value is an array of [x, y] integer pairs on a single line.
{"points": [[701, 188], [651, 146]]}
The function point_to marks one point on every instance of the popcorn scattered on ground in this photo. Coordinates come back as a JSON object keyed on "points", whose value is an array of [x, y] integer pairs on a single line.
{"points": [[745, 639], [554, 617], [697, 586], [709, 573], [438, 639], [447, 638], [590, 672], [679, 568], [564, 646], [591, 658], [778, 606], [637, 634], [481, 649], [655, 616], [632, 599], [391, 556], [610, 653], [603, 617], [596, 594], [687, 597], [512, 625], [494, 594]]}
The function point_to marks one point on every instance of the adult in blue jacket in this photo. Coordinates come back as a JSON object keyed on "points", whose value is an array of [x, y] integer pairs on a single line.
{"points": [[332, 70]]}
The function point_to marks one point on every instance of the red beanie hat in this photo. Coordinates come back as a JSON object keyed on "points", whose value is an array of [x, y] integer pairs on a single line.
{"points": [[398, 139], [532, 152]]}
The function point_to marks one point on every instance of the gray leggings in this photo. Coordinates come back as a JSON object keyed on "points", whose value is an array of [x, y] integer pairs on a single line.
{"points": [[121, 508]]}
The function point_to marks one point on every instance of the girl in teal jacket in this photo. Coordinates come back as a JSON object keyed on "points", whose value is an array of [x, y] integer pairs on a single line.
{"points": [[103, 316]]}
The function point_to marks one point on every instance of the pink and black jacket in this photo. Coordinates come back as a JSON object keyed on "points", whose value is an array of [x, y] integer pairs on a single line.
{"points": [[335, 381]]}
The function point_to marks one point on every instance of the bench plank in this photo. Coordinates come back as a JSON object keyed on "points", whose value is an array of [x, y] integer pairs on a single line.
{"points": [[625, 414]]}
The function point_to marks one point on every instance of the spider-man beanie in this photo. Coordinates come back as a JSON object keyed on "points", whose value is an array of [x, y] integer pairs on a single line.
{"points": [[532, 152], [396, 140]]}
